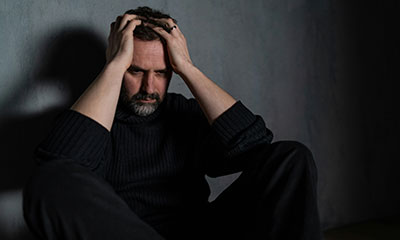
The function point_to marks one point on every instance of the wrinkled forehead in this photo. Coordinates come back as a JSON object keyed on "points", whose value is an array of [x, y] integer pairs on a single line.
{"points": [[149, 54]]}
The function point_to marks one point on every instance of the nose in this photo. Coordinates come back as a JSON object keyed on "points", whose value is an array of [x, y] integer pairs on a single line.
{"points": [[148, 82]]}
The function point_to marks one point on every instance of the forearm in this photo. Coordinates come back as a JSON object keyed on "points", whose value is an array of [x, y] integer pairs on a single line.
{"points": [[212, 99], [100, 99]]}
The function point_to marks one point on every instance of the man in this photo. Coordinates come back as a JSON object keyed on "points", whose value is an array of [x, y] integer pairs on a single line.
{"points": [[128, 160]]}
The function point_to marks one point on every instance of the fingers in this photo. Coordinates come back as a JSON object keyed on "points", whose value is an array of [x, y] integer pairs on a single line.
{"points": [[117, 23], [161, 31], [115, 26], [168, 21], [169, 29], [170, 25], [122, 22], [132, 25], [112, 31], [125, 19]]}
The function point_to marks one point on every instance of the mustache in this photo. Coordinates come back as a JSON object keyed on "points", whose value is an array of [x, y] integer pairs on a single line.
{"points": [[145, 95]]}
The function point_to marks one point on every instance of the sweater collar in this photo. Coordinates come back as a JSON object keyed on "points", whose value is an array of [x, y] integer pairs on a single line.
{"points": [[124, 114]]}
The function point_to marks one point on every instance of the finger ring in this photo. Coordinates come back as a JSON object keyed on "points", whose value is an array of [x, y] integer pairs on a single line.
{"points": [[172, 28]]}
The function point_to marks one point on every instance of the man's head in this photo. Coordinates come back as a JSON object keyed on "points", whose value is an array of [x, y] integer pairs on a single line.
{"points": [[146, 81]]}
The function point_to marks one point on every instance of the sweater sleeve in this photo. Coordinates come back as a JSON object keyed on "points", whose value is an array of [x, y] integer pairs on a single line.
{"points": [[76, 137], [233, 135]]}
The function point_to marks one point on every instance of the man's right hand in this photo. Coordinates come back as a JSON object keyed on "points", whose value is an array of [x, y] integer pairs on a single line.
{"points": [[120, 41], [99, 101]]}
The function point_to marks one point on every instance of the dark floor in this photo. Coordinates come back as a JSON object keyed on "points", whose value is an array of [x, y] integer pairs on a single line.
{"points": [[382, 229]]}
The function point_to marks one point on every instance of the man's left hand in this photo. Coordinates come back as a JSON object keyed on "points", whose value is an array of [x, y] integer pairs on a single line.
{"points": [[176, 44]]}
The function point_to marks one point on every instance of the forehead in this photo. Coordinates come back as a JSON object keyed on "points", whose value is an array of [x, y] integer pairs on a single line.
{"points": [[149, 54]]}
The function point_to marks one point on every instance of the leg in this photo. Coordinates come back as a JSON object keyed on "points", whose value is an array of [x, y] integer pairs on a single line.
{"points": [[275, 198], [64, 200]]}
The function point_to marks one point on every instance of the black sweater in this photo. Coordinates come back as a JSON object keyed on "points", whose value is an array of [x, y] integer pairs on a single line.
{"points": [[157, 163]]}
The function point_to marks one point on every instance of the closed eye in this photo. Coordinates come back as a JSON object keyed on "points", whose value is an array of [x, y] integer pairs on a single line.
{"points": [[134, 69], [135, 72], [163, 72]]}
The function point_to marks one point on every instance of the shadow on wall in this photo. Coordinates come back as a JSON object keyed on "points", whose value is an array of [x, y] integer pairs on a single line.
{"points": [[72, 57]]}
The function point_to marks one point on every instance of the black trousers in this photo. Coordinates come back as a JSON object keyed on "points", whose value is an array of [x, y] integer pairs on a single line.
{"points": [[274, 198]]}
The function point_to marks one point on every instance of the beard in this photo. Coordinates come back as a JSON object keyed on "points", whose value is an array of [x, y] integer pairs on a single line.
{"points": [[141, 108]]}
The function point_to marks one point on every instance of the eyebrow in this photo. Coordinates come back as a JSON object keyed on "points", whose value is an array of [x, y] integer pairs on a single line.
{"points": [[139, 69]]}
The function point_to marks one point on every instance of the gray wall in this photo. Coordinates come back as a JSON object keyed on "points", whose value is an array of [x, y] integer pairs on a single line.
{"points": [[320, 72]]}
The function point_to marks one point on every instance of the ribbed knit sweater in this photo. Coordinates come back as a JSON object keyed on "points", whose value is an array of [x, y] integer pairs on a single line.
{"points": [[158, 163]]}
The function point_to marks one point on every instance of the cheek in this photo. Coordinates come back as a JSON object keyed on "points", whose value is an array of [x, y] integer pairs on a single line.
{"points": [[131, 84], [162, 85]]}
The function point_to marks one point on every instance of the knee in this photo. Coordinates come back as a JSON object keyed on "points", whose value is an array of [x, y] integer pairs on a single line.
{"points": [[292, 147], [289, 157], [51, 188], [48, 180], [296, 156]]}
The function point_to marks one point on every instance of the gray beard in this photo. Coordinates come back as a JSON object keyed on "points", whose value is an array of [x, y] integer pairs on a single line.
{"points": [[143, 109], [140, 108]]}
